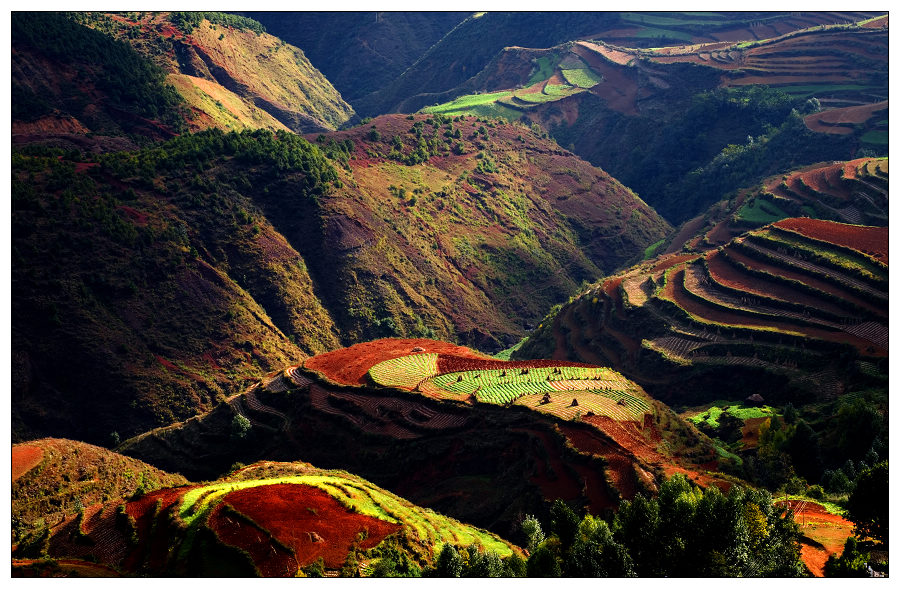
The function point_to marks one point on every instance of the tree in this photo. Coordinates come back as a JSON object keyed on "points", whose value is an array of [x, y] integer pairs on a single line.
{"points": [[531, 527], [852, 562], [868, 503], [449, 562], [240, 425]]}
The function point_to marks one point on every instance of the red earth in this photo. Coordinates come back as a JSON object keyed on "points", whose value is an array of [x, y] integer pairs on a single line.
{"points": [[306, 519], [825, 533], [833, 121], [349, 366], [675, 291], [24, 458], [870, 240]]}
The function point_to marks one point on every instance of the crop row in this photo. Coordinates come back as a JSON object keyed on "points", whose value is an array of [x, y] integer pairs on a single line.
{"points": [[469, 381], [405, 372]]}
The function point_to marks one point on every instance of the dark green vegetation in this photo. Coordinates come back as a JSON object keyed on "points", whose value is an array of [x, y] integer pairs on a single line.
{"points": [[682, 532], [188, 21], [82, 74]]}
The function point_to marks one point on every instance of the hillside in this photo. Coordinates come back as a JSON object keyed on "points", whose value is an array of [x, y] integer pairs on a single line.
{"points": [[473, 43], [84, 89], [231, 73], [54, 479], [209, 275], [473, 456], [700, 121], [268, 519], [848, 192], [795, 311], [360, 51], [110, 79]]}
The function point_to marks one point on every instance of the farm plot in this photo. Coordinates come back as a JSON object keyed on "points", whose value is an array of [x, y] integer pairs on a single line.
{"points": [[405, 372], [869, 240], [617, 405]]}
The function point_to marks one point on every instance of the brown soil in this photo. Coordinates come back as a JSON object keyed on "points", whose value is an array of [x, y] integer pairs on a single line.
{"points": [[306, 519], [750, 431], [805, 279], [828, 121], [620, 464], [727, 275], [24, 458], [869, 240], [65, 567], [827, 532], [349, 366], [689, 230]]}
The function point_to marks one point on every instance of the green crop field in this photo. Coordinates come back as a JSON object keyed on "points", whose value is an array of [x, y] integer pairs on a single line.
{"points": [[405, 372], [364, 498], [651, 249], [465, 102], [743, 412], [545, 66], [875, 137], [761, 212], [582, 77]]}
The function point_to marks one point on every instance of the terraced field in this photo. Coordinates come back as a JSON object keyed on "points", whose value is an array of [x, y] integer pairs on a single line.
{"points": [[785, 301], [850, 192], [279, 516], [587, 389]]}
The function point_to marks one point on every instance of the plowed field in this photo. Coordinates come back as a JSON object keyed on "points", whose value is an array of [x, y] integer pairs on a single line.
{"points": [[827, 530], [24, 458], [348, 366], [870, 240], [308, 520]]}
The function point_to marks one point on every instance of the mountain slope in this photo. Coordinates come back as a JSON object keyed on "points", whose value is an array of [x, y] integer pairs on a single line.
{"points": [[796, 311], [232, 73], [360, 51], [225, 256], [268, 519], [471, 455]]}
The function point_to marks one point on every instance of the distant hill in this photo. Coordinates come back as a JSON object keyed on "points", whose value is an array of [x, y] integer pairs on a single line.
{"points": [[149, 284], [269, 519], [154, 74], [700, 122]]}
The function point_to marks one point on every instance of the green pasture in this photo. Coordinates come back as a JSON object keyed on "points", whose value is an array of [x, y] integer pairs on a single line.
{"points": [[466, 102], [875, 137], [545, 67]]}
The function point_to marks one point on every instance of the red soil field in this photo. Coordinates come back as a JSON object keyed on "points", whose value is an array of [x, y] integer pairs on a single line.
{"points": [[726, 274], [462, 364], [674, 290], [667, 262], [305, 518], [24, 458], [823, 528], [826, 121], [619, 463], [552, 476], [878, 23], [611, 288], [750, 431], [804, 278], [819, 178], [870, 240], [348, 366]]}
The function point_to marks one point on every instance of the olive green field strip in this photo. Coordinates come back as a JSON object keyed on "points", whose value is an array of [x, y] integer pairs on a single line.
{"points": [[360, 496]]}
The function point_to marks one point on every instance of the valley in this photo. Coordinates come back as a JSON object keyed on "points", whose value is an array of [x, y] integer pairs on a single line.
{"points": [[449, 294]]}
